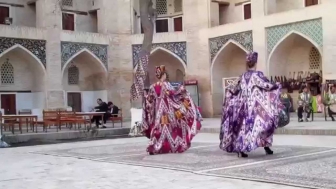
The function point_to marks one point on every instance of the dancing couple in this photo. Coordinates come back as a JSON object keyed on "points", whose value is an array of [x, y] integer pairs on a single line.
{"points": [[171, 119]]}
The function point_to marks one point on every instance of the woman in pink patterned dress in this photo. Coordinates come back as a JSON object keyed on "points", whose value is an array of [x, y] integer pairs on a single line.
{"points": [[170, 117]]}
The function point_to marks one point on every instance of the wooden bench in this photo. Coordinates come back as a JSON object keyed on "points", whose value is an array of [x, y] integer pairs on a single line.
{"points": [[117, 118]]}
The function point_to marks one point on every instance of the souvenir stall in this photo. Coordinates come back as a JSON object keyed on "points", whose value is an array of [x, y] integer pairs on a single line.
{"points": [[294, 83]]}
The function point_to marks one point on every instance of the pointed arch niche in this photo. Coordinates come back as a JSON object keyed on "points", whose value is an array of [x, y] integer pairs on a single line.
{"points": [[295, 52], [174, 65], [23, 75], [229, 62], [84, 80]]}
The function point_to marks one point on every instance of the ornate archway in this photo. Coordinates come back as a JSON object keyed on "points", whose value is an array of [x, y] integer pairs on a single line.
{"points": [[229, 62], [23, 76], [295, 56], [173, 63], [84, 78]]}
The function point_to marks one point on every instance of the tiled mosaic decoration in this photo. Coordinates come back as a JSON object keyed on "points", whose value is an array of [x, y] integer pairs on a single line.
{"points": [[70, 48], [311, 28], [7, 73], [314, 59], [178, 48], [37, 47], [243, 38]]}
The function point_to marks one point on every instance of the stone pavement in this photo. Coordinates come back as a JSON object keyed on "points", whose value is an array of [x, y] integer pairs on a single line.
{"points": [[122, 163], [317, 127]]}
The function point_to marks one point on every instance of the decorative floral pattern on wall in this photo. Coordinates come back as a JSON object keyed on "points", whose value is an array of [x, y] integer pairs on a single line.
{"points": [[37, 47], [243, 38], [310, 28], [71, 48], [177, 48]]}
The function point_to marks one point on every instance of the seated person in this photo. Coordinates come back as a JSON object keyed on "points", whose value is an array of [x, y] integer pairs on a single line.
{"points": [[112, 111], [331, 102], [286, 101], [305, 104], [102, 107]]}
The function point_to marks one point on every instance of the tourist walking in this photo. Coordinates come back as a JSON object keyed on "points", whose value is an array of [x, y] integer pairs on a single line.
{"points": [[170, 117], [250, 112]]}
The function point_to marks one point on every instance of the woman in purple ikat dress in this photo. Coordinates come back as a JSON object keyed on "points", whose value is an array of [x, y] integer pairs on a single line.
{"points": [[250, 112]]}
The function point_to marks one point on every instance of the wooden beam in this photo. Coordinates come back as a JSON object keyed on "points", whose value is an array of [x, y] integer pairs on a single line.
{"points": [[76, 12], [12, 4], [93, 10], [31, 2], [240, 3], [222, 2]]}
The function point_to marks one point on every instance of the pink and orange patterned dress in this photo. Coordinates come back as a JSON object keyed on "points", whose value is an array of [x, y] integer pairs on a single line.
{"points": [[170, 119]]}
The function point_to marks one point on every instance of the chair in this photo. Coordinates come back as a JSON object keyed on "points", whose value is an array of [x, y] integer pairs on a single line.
{"points": [[50, 117], [117, 117], [7, 123], [311, 113], [28, 121]]}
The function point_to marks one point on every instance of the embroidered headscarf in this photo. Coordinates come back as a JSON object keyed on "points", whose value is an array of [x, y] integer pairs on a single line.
{"points": [[159, 71], [252, 57]]}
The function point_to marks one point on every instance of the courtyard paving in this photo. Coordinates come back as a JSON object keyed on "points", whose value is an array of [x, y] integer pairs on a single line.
{"points": [[298, 162]]}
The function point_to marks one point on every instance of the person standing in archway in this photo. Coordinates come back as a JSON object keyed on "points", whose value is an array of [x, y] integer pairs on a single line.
{"points": [[250, 112], [170, 117]]}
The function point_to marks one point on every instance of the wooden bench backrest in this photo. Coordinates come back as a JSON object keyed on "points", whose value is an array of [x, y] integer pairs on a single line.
{"points": [[25, 112], [51, 114]]}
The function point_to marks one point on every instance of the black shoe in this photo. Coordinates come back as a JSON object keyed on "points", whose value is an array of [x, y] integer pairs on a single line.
{"points": [[300, 120], [268, 151], [151, 153], [332, 119], [104, 127], [242, 154]]}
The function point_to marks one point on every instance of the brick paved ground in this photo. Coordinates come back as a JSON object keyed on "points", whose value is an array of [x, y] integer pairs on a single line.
{"points": [[122, 163]]}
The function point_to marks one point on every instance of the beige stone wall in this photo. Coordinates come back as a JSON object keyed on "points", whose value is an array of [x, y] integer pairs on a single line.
{"points": [[22, 16], [232, 13], [277, 6], [116, 23]]}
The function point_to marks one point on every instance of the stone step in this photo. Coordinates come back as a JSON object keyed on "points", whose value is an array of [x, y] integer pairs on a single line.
{"points": [[284, 131]]}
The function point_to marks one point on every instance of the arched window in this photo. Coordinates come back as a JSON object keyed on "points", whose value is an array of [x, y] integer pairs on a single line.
{"points": [[314, 59], [73, 75], [7, 73]]}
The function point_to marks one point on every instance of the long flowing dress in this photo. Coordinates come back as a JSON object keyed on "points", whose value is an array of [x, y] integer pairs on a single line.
{"points": [[250, 113], [170, 119]]}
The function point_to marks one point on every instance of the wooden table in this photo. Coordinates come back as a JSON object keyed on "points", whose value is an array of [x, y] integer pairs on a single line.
{"points": [[32, 119], [91, 114]]}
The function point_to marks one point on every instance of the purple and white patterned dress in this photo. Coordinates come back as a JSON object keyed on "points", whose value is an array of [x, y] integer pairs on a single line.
{"points": [[250, 113]]}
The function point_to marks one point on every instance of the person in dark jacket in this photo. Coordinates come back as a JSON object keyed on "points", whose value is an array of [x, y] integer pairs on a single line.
{"points": [[112, 111], [102, 107]]}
